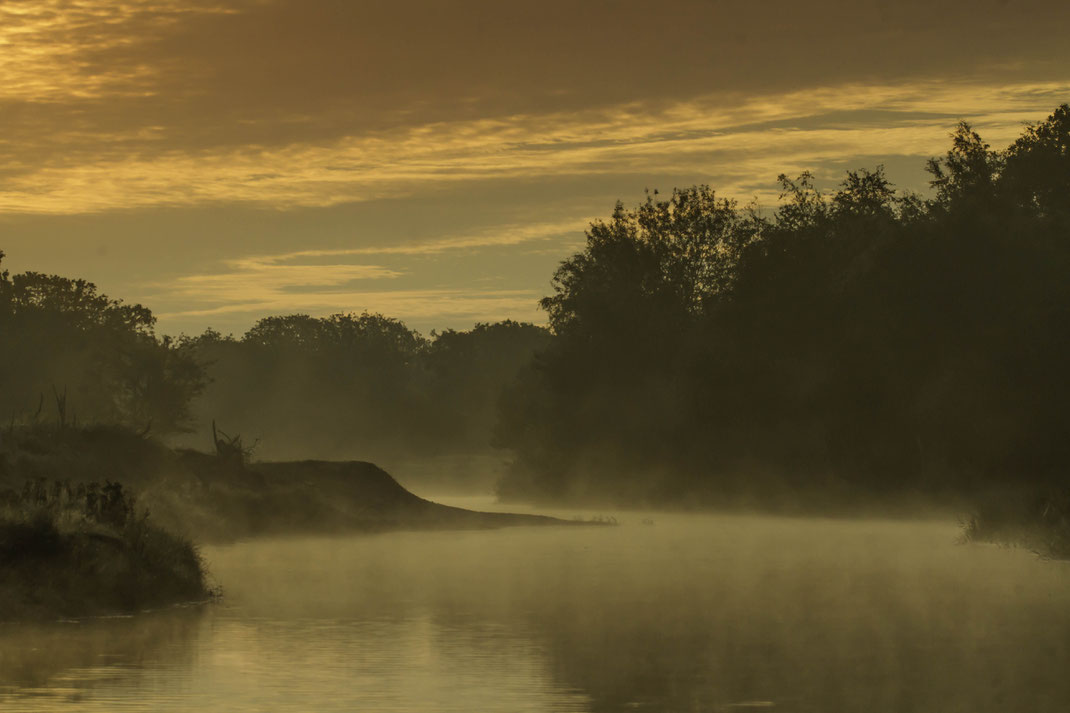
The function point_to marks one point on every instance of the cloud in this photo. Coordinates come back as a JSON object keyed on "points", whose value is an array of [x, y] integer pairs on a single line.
{"points": [[496, 236], [322, 281], [124, 104], [46, 45], [735, 146], [120, 113], [271, 280]]}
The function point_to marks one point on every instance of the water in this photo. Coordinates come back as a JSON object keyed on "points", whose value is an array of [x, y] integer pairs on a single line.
{"points": [[690, 613]]}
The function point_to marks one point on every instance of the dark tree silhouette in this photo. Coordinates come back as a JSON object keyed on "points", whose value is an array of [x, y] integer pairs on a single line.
{"points": [[861, 342], [61, 336]]}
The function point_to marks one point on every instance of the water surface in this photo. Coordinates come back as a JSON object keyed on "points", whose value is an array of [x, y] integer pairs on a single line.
{"points": [[682, 613]]}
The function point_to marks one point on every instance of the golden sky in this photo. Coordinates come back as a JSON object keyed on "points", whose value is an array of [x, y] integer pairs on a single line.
{"points": [[434, 159]]}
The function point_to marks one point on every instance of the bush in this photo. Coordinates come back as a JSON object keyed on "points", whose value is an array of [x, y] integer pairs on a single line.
{"points": [[72, 550]]}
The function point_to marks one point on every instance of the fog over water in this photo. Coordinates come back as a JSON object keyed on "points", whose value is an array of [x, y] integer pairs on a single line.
{"points": [[666, 612]]}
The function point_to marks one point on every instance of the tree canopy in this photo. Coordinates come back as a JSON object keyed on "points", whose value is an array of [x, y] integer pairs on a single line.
{"points": [[89, 357], [865, 338]]}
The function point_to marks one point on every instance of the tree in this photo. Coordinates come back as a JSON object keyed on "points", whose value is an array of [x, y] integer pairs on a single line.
{"points": [[667, 258], [967, 172], [466, 373], [66, 336], [860, 340], [362, 384], [1036, 174]]}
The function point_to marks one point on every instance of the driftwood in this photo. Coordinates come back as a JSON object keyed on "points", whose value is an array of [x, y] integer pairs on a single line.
{"points": [[231, 448]]}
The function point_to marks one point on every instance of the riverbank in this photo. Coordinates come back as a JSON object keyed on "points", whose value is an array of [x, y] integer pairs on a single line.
{"points": [[216, 501], [1032, 513], [73, 543], [80, 551], [1037, 519], [208, 498]]}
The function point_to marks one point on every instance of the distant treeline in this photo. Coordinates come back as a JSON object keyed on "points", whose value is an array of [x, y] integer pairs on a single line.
{"points": [[360, 386], [861, 341], [346, 385]]}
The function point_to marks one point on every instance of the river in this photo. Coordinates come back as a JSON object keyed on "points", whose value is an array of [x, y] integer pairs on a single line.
{"points": [[666, 612]]}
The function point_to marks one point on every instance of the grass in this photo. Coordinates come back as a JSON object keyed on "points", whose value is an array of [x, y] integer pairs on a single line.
{"points": [[77, 550]]}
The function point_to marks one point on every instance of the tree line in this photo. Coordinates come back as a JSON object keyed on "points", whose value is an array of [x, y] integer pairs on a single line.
{"points": [[347, 385], [71, 354], [360, 385], [861, 341]]}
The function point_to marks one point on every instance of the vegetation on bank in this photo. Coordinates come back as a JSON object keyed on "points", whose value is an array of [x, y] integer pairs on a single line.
{"points": [[70, 550], [73, 542], [221, 497]]}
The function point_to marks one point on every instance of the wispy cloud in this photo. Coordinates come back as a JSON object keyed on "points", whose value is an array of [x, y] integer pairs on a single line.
{"points": [[45, 45], [322, 281], [735, 145], [496, 236], [269, 280]]}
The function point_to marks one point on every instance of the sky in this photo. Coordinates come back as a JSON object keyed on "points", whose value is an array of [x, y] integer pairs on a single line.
{"points": [[434, 160]]}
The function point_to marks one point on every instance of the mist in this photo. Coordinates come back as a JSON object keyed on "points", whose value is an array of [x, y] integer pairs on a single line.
{"points": [[687, 613], [366, 387]]}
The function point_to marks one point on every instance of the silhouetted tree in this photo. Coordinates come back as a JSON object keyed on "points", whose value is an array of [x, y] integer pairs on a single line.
{"points": [[62, 335], [861, 340]]}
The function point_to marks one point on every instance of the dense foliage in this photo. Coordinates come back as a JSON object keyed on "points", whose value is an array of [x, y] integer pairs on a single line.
{"points": [[863, 341], [84, 549], [73, 354]]}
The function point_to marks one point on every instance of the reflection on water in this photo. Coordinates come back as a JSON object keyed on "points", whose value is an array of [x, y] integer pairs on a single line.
{"points": [[693, 613], [44, 664]]}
